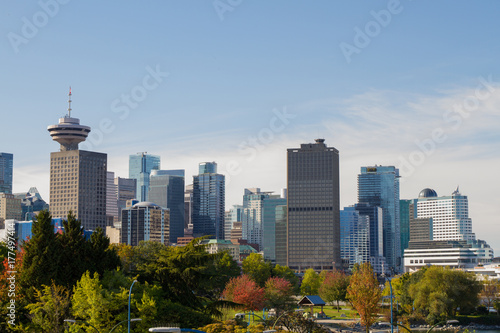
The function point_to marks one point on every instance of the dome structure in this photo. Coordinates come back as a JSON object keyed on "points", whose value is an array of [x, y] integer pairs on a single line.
{"points": [[427, 193], [145, 204]]}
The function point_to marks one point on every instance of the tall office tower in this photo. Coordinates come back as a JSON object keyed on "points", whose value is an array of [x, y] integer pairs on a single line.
{"points": [[259, 220], [379, 186], [188, 209], [208, 201], [145, 221], [10, 207], [166, 189], [31, 203], [77, 177], [139, 168], [420, 228], [354, 237], [313, 207], [450, 215], [233, 215], [281, 235], [111, 198], [125, 190], [404, 224], [6, 169]]}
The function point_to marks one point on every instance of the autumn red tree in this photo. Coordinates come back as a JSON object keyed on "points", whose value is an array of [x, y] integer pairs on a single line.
{"points": [[243, 290], [334, 287], [278, 293], [364, 293]]}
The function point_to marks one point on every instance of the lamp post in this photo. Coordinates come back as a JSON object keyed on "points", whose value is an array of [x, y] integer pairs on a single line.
{"points": [[123, 321], [130, 294], [73, 321]]}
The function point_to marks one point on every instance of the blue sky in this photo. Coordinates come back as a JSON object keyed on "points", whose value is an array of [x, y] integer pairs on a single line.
{"points": [[239, 81]]}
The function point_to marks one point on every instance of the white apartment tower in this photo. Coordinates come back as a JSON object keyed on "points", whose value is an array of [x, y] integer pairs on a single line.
{"points": [[449, 214]]}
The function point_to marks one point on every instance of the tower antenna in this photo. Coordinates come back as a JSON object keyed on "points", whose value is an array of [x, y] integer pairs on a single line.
{"points": [[69, 102]]}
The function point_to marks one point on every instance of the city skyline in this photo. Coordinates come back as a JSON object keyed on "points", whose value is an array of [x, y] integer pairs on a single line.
{"points": [[246, 84]]}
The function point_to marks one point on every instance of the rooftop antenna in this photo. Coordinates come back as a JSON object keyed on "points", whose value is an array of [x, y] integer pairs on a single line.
{"points": [[69, 103]]}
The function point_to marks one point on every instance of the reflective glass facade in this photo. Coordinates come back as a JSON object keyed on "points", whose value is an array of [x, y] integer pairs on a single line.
{"points": [[281, 235], [354, 237], [208, 203], [6, 169], [166, 189], [404, 217], [140, 166], [379, 186]]}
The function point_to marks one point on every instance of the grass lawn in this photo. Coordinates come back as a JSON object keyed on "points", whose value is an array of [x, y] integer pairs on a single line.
{"points": [[331, 311]]}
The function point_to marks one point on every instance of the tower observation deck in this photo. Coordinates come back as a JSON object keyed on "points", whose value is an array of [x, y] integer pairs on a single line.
{"points": [[69, 133]]}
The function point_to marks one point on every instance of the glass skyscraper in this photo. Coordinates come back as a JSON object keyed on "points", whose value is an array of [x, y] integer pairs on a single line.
{"points": [[379, 186], [354, 236], [140, 166], [166, 189], [6, 168], [313, 207], [208, 202]]}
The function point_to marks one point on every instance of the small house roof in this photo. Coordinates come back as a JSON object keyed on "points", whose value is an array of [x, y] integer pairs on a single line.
{"points": [[311, 300]]}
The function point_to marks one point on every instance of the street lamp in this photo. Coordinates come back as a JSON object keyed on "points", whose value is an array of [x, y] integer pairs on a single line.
{"points": [[130, 294], [73, 321], [123, 321]]}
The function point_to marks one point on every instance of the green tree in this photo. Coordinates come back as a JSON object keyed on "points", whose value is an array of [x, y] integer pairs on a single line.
{"points": [[364, 294], [102, 257], [310, 283], [490, 290], [41, 259], [90, 304], [334, 287], [51, 307], [441, 291], [257, 268], [189, 276], [73, 255], [288, 274], [278, 293]]}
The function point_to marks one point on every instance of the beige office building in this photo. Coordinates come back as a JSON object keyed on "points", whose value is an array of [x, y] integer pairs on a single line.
{"points": [[77, 177], [10, 207]]}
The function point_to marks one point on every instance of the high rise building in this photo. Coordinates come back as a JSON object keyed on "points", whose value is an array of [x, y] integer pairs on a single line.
{"points": [[10, 207], [111, 199], [77, 177], [125, 191], [313, 207], [450, 215], [6, 170], [144, 221], [379, 186], [188, 209], [31, 203], [208, 201], [259, 220], [404, 223], [232, 216], [140, 166], [281, 235], [166, 189], [441, 233], [354, 237]]}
